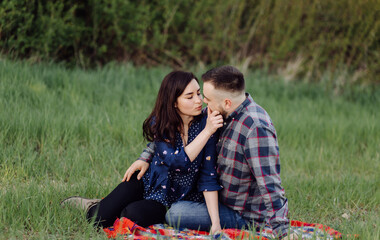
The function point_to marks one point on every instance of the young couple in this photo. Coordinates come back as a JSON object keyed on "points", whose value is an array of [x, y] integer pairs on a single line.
{"points": [[203, 169]]}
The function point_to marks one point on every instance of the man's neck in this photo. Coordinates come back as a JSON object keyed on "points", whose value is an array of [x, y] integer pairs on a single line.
{"points": [[236, 103]]}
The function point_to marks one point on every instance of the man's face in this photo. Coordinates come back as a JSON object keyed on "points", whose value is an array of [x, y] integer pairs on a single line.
{"points": [[212, 99]]}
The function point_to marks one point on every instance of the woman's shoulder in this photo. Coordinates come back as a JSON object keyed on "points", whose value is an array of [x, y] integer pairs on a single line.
{"points": [[163, 144]]}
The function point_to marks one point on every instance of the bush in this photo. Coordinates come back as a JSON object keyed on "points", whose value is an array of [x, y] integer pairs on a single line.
{"points": [[299, 38]]}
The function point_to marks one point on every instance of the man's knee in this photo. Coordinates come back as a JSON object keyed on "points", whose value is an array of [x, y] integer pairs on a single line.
{"points": [[173, 214], [187, 214]]}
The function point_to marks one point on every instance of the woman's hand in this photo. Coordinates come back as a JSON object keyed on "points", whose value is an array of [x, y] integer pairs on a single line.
{"points": [[291, 237], [214, 121], [215, 228], [137, 165]]}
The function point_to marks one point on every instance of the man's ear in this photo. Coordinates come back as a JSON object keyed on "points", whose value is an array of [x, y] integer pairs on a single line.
{"points": [[227, 104]]}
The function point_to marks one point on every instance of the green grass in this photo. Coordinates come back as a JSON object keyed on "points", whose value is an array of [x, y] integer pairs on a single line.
{"points": [[73, 132]]}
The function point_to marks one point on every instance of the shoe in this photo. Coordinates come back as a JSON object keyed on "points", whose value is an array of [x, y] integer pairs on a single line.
{"points": [[80, 202]]}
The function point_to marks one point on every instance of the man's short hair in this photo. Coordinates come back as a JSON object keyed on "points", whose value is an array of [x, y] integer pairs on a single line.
{"points": [[226, 78]]}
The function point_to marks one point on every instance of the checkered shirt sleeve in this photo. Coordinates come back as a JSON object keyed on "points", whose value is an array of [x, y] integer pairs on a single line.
{"points": [[148, 153]]}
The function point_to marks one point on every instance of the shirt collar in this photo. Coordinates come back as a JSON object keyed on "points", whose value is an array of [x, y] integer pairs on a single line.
{"points": [[248, 100]]}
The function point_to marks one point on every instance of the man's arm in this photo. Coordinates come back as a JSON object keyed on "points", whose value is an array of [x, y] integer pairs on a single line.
{"points": [[148, 152], [142, 163], [262, 153]]}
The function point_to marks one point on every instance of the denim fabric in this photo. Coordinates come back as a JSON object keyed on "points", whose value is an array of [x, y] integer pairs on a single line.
{"points": [[194, 215]]}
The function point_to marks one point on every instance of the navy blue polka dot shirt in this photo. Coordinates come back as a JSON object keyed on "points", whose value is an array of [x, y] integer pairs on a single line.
{"points": [[172, 176]]}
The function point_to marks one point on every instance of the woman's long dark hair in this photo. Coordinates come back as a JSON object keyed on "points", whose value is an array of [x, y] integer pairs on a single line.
{"points": [[164, 121]]}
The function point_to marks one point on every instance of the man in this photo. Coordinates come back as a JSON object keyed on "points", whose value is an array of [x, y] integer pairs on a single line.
{"points": [[248, 162]]}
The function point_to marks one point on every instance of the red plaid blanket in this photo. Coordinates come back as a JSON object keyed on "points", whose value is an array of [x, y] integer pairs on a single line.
{"points": [[129, 230]]}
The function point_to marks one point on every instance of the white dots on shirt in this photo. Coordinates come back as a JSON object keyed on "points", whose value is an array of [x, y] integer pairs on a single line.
{"points": [[181, 184]]}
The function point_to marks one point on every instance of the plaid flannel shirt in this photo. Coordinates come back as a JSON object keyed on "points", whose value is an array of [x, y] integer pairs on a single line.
{"points": [[249, 167], [148, 152]]}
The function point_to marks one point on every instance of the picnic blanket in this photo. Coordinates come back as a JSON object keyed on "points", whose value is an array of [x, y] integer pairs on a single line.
{"points": [[127, 229]]}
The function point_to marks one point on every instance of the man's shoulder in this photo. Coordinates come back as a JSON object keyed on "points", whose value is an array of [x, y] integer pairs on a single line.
{"points": [[255, 116]]}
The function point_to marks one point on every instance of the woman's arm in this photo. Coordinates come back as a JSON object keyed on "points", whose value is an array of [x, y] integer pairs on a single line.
{"points": [[208, 182], [214, 121], [211, 198]]}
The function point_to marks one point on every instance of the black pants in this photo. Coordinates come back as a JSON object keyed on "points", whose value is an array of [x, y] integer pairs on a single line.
{"points": [[126, 200]]}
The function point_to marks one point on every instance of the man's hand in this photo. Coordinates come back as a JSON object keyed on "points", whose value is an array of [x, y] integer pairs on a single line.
{"points": [[137, 165], [292, 236]]}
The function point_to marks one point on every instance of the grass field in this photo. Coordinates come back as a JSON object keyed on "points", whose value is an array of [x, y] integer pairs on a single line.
{"points": [[73, 132]]}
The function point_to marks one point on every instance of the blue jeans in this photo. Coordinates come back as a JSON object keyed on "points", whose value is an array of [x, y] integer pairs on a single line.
{"points": [[194, 215]]}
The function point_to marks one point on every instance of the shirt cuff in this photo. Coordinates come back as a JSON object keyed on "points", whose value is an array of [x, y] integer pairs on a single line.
{"points": [[145, 160], [208, 187]]}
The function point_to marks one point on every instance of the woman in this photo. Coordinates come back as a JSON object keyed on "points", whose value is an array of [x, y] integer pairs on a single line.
{"points": [[183, 164]]}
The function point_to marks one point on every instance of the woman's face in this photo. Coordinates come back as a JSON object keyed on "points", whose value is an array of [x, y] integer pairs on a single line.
{"points": [[189, 104]]}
